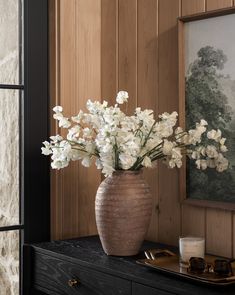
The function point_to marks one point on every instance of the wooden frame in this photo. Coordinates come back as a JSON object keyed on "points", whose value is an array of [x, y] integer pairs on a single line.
{"points": [[182, 178]]}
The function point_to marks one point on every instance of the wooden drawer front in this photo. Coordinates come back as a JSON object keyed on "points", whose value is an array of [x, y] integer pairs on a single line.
{"points": [[138, 289], [53, 274]]}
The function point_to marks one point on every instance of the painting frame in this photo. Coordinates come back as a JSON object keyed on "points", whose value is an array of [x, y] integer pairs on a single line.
{"points": [[230, 206]]}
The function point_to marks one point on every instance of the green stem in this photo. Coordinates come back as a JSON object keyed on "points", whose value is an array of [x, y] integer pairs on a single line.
{"points": [[150, 131]]}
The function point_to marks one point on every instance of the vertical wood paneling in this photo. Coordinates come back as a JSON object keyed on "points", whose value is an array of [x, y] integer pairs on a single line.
{"points": [[218, 4], [193, 221], [169, 215], [193, 6], [109, 50], [88, 85], [219, 232], [105, 45], [147, 85], [127, 48], [66, 197]]}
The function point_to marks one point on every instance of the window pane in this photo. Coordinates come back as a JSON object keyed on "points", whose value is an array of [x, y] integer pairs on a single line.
{"points": [[9, 157], [9, 263], [10, 37]]}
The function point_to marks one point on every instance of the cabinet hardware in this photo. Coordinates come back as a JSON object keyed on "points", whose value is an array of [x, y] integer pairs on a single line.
{"points": [[73, 283]]}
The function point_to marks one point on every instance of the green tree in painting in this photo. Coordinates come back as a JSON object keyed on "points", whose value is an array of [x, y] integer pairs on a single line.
{"points": [[205, 99]]}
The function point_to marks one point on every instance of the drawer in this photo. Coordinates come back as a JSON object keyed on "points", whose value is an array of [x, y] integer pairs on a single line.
{"points": [[51, 275], [138, 289]]}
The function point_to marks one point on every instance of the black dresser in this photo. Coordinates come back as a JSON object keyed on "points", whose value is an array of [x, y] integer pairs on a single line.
{"points": [[80, 267]]}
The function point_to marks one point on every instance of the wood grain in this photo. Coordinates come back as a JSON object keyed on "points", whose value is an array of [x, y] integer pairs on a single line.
{"points": [[98, 47], [218, 4], [147, 86], [56, 262], [109, 50], [53, 274], [193, 221], [169, 206], [66, 94], [88, 85], [127, 51], [219, 232], [138, 289], [192, 6]]}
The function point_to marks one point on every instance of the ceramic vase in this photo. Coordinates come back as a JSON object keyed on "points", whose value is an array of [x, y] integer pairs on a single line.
{"points": [[123, 210]]}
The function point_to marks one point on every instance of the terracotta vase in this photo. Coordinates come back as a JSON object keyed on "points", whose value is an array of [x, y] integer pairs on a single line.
{"points": [[123, 209]]}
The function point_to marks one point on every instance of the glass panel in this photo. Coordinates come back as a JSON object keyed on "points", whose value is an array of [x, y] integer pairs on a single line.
{"points": [[9, 157], [9, 263], [10, 37]]}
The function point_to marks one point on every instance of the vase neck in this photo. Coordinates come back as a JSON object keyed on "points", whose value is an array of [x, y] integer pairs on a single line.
{"points": [[128, 172]]}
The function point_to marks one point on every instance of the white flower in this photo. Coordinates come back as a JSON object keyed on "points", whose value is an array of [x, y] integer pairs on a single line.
{"points": [[55, 139], [98, 164], [211, 151], [86, 162], [167, 116], [178, 130], [117, 141], [201, 164], [58, 109], [211, 163], [57, 164], [223, 148], [79, 117], [222, 141], [127, 161], [64, 122], [221, 163], [122, 97], [74, 133], [47, 149], [87, 132], [215, 135], [195, 155], [57, 116], [203, 122], [147, 162], [167, 147]]}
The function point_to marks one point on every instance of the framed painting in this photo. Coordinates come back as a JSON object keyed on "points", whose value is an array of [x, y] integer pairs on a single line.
{"points": [[207, 90]]}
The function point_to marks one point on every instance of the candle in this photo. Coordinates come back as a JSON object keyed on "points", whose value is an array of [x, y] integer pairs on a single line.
{"points": [[191, 247]]}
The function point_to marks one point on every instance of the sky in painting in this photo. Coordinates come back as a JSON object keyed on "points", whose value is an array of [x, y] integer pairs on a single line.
{"points": [[218, 32]]}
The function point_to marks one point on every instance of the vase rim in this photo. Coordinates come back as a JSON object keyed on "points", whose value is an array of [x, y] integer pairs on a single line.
{"points": [[128, 171]]}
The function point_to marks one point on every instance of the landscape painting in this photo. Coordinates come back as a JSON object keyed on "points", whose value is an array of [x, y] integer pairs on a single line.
{"points": [[210, 94]]}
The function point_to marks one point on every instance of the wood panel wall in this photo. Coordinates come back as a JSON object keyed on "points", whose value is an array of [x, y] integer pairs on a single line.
{"points": [[97, 48]]}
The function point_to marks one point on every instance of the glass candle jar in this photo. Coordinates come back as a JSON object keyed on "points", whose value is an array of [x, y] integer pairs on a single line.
{"points": [[191, 247]]}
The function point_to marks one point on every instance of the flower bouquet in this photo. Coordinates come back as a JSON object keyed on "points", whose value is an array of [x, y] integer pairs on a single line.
{"points": [[121, 145], [116, 141]]}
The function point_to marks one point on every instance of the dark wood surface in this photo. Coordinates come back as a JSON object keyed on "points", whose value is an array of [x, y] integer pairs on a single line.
{"points": [[55, 262], [90, 282], [138, 289]]}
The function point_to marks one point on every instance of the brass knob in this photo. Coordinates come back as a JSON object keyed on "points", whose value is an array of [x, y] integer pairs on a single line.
{"points": [[73, 283]]}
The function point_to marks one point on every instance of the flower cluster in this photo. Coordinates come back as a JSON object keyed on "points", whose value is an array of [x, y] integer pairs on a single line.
{"points": [[115, 141]]}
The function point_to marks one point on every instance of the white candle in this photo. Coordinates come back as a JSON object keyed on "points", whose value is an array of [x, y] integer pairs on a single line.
{"points": [[191, 247]]}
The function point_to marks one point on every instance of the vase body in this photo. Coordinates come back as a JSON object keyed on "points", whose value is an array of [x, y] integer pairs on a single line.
{"points": [[123, 210]]}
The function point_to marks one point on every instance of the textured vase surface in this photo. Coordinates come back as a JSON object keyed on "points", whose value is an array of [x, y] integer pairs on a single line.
{"points": [[123, 210]]}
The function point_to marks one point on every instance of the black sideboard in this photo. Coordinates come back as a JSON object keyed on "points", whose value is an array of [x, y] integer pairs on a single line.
{"points": [[80, 267]]}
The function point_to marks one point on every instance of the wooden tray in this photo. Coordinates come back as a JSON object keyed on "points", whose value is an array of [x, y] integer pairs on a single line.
{"points": [[170, 265]]}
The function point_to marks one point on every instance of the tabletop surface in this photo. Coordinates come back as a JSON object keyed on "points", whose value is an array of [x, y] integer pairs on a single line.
{"points": [[87, 251]]}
